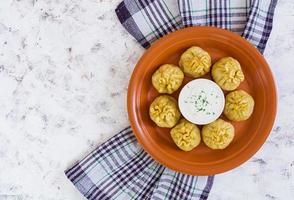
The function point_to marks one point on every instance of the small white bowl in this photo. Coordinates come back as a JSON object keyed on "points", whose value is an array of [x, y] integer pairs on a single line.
{"points": [[201, 101]]}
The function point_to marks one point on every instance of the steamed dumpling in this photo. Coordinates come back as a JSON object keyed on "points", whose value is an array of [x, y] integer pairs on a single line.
{"points": [[227, 73], [218, 134], [186, 135], [167, 79], [164, 111], [195, 62], [239, 105]]}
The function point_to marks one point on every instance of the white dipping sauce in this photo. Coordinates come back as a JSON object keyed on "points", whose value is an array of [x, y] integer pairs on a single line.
{"points": [[201, 101]]}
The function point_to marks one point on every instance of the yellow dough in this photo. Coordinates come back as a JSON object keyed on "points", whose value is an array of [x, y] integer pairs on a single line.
{"points": [[164, 111], [239, 105], [227, 73], [167, 79], [195, 62], [218, 134], [186, 135]]}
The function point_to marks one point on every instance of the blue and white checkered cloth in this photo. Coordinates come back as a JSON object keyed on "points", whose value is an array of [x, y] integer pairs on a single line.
{"points": [[120, 169], [148, 20]]}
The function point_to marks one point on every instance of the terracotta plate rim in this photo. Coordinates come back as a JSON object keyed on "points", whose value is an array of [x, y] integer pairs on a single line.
{"points": [[197, 168]]}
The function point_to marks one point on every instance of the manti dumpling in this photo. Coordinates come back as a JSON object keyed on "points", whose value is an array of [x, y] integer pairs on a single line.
{"points": [[218, 134], [227, 73], [164, 111], [239, 105], [167, 78], [186, 135], [195, 62]]}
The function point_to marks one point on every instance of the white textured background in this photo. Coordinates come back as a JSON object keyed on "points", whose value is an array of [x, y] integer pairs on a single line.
{"points": [[64, 70]]}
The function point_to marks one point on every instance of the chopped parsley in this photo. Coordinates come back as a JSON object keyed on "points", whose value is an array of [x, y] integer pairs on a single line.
{"points": [[200, 102]]}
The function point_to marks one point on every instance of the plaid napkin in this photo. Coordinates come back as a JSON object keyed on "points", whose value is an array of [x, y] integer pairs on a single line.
{"points": [[148, 20], [120, 169]]}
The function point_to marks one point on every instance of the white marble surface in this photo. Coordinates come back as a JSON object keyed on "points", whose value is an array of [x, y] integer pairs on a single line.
{"points": [[64, 69]]}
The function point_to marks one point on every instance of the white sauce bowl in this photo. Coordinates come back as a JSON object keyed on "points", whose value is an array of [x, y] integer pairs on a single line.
{"points": [[201, 101]]}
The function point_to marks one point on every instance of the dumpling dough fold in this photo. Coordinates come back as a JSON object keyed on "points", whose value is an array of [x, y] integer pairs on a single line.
{"points": [[239, 105], [195, 62], [218, 134], [186, 135], [167, 78], [164, 111], [227, 73]]}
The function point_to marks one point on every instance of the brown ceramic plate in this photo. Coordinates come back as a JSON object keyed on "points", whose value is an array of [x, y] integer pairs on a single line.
{"points": [[249, 134]]}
